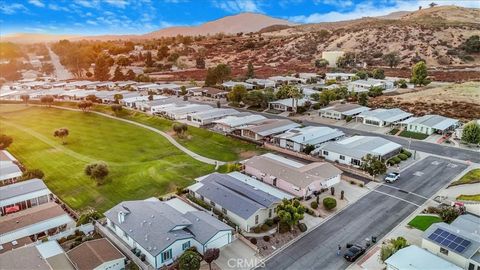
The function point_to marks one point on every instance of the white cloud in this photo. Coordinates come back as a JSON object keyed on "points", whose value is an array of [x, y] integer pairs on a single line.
{"points": [[91, 22], [118, 3], [237, 6], [335, 3], [57, 7], [374, 9], [87, 3], [12, 8], [37, 3]]}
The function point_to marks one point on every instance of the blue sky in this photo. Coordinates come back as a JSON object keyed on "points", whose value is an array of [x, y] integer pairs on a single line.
{"points": [[92, 17]]}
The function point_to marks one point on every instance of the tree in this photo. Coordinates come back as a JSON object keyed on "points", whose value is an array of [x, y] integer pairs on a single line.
{"points": [[211, 255], [47, 100], [116, 108], [256, 98], [180, 128], [117, 98], [130, 75], [329, 203], [97, 171], [89, 74], [250, 71], [162, 53], [326, 96], [118, 75], [91, 98], [472, 44], [123, 61], [234, 167], [200, 62], [361, 74], [148, 60], [321, 63], [61, 133], [392, 246], [237, 94], [102, 69], [378, 74], [308, 149], [47, 68], [217, 74], [32, 173], [25, 98], [5, 141], [373, 165], [471, 133], [448, 214], [85, 105], [392, 59], [375, 91], [189, 260], [363, 99], [433, 4], [183, 90], [294, 93], [290, 212], [420, 74]]}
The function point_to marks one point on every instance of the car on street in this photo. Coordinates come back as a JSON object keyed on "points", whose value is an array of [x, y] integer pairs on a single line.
{"points": [[392, 177], [354, 252]]}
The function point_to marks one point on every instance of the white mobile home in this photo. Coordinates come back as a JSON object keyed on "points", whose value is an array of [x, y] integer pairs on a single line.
{"points": [[298, 139], [207, 117]]}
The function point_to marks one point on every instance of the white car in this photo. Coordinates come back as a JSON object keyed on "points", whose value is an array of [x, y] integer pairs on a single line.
{"points": [[392, 177]]}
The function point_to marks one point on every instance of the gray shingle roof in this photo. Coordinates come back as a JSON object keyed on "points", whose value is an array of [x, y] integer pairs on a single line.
{"points": [[20, 188], [155, 225], [235, 196]]}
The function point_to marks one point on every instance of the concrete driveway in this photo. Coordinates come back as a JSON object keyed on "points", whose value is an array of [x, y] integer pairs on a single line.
{"points": [[375, 214], [237, 255]]}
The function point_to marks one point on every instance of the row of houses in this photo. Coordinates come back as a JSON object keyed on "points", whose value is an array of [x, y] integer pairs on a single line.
{"points": [[31, 215], [427, 124]]}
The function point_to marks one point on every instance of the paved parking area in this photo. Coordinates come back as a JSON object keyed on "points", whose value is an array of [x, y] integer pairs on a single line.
{"points": [[237, 255], [375, 214]]}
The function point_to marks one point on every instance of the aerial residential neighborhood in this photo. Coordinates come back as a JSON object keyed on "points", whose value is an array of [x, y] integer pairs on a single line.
{"points": [[239, 134]]}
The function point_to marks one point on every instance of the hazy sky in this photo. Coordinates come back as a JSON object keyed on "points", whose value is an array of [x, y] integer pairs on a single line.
{"points": [[143, 16]]}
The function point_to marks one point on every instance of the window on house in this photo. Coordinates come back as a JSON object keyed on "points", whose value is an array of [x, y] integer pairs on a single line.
{"points": [[342, 157], [443, 251], [185, 245], [274, 182], [269, 213], [256, 219], [212, 203], [167, 255], [325, 153], [224, 211]]}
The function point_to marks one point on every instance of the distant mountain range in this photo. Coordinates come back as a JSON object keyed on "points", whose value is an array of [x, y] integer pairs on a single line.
{"points": [[243, 22]]}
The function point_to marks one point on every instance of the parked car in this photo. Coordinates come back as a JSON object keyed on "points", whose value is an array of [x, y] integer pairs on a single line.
{"points": [[354, 252], [392, 177]]}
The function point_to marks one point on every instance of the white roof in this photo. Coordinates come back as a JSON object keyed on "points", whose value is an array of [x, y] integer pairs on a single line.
{"points": [[232, 84], [386, 115], [180, 205], [360, 146], [415, 258], [260, 185], [49, 249], [435, 121], [287, 161], [285, 78], [235, 121], [213, 113], [261, 81], [311, 135], [339, 74], [288, 101], [186, 109], [367, 83]]}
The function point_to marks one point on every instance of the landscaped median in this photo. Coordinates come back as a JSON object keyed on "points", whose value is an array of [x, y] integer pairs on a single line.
{"points": [[473, 197], [471, 177], [413, 135]]}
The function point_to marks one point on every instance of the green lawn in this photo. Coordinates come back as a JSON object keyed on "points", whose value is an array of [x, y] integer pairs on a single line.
{"points": [[142, 163], [199, 140], [473, 197], [423, 222], [471, 177], [413, 135]]}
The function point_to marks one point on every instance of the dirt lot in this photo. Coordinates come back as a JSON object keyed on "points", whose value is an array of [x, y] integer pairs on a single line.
{"points": [[461, 101]]}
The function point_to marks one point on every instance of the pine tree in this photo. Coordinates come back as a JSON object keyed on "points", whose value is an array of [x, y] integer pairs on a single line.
{"points": [[148, 60], [130, 75], [118, 75], [250, 71], [101, 71]]}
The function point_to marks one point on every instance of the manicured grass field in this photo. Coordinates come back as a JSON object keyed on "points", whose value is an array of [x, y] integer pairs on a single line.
{"points": [[142, 163], [201, 141], [413, 135], [471, 177], [473, 197], [423, 222]]}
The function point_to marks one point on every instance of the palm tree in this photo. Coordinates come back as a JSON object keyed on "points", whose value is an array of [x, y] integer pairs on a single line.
{"points": [[294, 93]]}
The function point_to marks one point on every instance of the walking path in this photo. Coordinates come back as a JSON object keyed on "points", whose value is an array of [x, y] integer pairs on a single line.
{"points": [[168, 137]]}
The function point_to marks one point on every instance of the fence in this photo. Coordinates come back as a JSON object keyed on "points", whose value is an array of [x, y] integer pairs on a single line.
{"points": [[85, 228]]}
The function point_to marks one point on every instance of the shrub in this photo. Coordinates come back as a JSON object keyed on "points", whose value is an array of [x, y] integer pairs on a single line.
{"points": [[253, 241], [199, 202], [402, 156], [283, 227], [276, 220], [360, 185], [257, 229], [269, 222], [407, 153], [266, 238], [265, 227], [352, 182], [329, 203], [302, 227], [391, 162], [309, 211], [396, 160], [348, 118], [314, 205]]}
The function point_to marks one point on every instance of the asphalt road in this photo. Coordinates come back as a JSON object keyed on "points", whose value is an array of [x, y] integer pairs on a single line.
{"points": [[375, 214]]}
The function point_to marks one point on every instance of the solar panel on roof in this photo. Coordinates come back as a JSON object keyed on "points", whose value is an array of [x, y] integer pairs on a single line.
{"points": [[449, 240]]}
